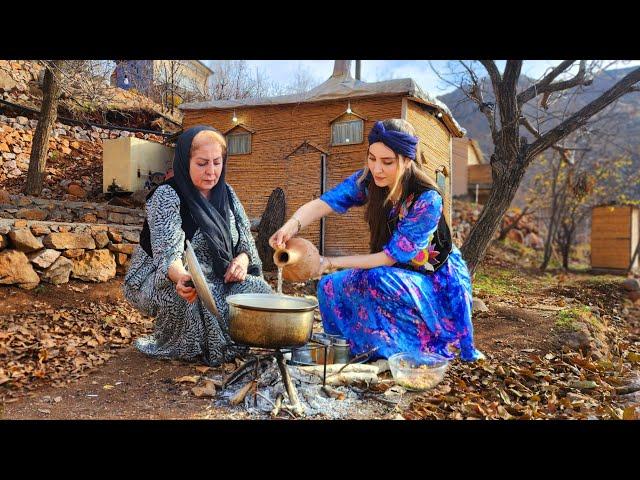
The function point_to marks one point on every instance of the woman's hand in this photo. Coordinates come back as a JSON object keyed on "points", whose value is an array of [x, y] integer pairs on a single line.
{"points": [[185, 290], [284, 234], [237, 269], [326, 266]]}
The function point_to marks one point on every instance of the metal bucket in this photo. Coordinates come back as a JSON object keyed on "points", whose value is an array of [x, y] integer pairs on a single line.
{"points": [[270, 321]]}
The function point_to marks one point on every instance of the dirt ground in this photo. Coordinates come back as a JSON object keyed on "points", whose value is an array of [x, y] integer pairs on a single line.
{"points": [[129, 385]]}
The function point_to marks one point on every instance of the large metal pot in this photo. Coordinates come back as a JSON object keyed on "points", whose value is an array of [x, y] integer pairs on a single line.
{"points": [[270, 321]]}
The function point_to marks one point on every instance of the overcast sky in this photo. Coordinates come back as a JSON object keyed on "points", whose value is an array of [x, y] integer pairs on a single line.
{"points": [[283, 71]]}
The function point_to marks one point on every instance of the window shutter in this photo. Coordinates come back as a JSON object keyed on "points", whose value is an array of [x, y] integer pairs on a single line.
{"points": [[345, 133], [239, 143]]}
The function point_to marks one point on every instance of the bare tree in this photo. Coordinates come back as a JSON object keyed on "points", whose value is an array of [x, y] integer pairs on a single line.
{"points": [[505, 114], [167, 84], [303, 81], [48, 113]]}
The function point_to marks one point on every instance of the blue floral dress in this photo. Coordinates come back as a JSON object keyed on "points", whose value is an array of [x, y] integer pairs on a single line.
{"points": [[402, 308]]}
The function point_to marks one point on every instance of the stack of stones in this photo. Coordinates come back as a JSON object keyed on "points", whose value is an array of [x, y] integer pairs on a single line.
{"points": [[34, 252]]}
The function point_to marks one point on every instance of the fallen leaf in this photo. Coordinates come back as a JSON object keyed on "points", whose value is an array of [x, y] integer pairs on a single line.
{"points": [[124, 332], [187, 379], [583, 384], [629, 413], [633, 357], [57, 399], [107, 387], [44, 410], [207, 390], [202, 369]]}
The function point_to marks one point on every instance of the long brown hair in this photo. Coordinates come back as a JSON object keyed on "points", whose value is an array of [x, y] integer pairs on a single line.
{"points": [[414, 180]]}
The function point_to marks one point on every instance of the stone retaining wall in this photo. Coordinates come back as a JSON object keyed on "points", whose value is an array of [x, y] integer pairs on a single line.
{"points": [[33, 208], [36, 251]]}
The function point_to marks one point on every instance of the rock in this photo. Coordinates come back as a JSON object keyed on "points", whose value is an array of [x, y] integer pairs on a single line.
{"points": [[122, 269], [114, 236], [23, 240], [578, 338], [10, 165], [58, 272], [76, 190], [7, 83], [39, 230], [15, 268], [23, 201], [634, 296], [101, 239], [64, 240], [89, 218], [31, 214], [22, 120], [631, 284], [515, 235], [45, 258], [117, 217], [534, 241], [5, 199], [479, 305], [20, 224], [74, 252], [126, 248], [4, 229], [95, 266], [4, 243], [121, 258], [132, 236], [139, 198]]}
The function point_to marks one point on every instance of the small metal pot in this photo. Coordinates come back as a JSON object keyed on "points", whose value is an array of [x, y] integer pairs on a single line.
{"points": [[270, 321]]}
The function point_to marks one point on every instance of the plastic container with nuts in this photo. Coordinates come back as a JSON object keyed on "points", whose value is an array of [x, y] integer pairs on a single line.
{"points": [[418, 371]]}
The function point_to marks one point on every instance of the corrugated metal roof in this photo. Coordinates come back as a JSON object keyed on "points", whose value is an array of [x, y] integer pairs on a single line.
{"points": [[340, 87]]}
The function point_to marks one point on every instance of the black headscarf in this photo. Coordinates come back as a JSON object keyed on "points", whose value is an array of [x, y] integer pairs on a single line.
{"points": [[212, 215]]}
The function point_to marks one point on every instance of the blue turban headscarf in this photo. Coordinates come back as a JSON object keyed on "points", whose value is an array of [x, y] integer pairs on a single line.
{"points": [[400, 142]]}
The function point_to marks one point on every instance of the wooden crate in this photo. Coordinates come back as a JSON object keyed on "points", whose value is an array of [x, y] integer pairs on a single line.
{"points": [[615, 233]]}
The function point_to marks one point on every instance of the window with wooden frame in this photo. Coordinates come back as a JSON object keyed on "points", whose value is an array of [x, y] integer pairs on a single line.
{"points": [[239, 143], [441, 180], [346, 133]]}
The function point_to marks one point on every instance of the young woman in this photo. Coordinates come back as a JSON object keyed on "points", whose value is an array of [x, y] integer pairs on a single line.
{"points": [[198, 205], [413, 292]]}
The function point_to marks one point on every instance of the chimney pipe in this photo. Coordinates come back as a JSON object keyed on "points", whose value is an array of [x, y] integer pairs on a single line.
{"points": [[358, 69], [342, 68]]}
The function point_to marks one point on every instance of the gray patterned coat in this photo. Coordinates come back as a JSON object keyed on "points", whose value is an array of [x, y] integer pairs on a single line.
{"points": [[179, 331]]}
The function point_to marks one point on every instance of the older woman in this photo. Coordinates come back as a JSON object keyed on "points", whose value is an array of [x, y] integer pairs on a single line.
{"points": [[196, 205]]}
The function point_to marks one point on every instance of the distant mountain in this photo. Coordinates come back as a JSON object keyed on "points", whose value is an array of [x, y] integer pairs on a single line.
{"points": [[624, 114]]}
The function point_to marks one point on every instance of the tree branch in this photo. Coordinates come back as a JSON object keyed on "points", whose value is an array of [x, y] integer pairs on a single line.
{"points": [[581, 117], [538, 87], [494, 73], [564, 151]]}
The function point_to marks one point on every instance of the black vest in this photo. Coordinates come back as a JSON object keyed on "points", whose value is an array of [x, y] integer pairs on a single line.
{"points": [[441, 238]]}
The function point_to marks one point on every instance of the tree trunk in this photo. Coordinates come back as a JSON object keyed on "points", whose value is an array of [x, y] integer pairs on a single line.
{"points": [[40, 145], [272, 219], [505, 186]]}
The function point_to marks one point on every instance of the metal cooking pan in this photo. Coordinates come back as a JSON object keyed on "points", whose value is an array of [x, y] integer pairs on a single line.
{"points": [[270, 321]]}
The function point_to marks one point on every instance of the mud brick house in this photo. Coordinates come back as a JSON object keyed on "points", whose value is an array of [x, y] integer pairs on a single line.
{"points": [[471, 171], [307, 143]]}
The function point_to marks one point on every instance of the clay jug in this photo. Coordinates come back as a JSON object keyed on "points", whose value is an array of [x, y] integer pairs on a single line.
{"points": [[300, 260]]}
